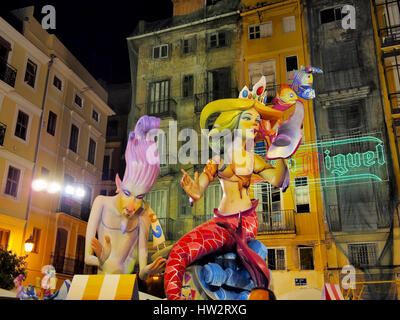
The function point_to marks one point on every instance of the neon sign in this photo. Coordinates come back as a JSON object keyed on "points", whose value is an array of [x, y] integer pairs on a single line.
{"points": [[332, 162]]}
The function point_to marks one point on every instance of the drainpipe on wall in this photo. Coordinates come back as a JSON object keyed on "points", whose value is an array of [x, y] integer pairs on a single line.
{"points": [[28, 208]]}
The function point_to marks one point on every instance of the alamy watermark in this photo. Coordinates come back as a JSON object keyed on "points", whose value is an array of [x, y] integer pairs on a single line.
{"points": [[349, 20], [49, 20]]}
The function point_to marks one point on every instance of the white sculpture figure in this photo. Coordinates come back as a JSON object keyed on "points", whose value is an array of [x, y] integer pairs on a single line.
{"points": [[121, 223]]}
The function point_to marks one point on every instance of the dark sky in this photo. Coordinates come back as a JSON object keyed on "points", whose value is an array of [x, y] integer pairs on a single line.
{"points": [[95, 31]]}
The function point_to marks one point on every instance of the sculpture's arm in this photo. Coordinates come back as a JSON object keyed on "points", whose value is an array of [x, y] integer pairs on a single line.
{"points": [[93, 224], [196, 188], [273, 175]]}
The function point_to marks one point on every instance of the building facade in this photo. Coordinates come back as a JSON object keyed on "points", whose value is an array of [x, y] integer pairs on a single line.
{"points": [[291, 223], [179, 65], [50, 87], [351, 117]]}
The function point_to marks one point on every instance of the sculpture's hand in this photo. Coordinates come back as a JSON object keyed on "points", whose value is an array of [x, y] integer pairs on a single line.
{"points": [[192, 188], [101, 253], [156, 267]]}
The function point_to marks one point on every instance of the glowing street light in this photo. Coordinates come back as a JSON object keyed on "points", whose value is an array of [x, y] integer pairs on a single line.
{"points": [[29, 244], [39, 185]]}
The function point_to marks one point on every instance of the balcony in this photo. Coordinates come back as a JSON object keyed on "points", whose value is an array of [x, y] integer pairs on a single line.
{"points": [[3, 129], [8, 73], [202, 99], [161, 109], [282, 221], [70, 266]]}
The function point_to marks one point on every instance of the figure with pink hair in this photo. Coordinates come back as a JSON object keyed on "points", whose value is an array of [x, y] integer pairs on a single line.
{"points": [[121, 223]]}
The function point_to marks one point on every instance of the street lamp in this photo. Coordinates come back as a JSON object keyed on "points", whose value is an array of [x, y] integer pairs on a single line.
{"points": [[54, 187], [29, 244]]}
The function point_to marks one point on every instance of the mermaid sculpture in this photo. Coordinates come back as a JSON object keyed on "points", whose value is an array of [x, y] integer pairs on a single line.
{"points": [[121, 223], [235, 220]]}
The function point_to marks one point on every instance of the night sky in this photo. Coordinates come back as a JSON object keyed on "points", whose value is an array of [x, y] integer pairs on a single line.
{"points": [[95, 31]]}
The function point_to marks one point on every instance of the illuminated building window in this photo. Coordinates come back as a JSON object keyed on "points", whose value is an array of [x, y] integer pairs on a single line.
{"points": [[30, 73], [302, 194], [21, 127], [36, 240], [160, 52], [12, 181], [51, 123], [276, 259], [4, 236], [289, 24], [306, 258], [260, 30], [362, 254]]}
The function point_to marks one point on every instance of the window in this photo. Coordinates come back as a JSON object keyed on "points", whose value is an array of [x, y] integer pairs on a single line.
{"points": [[263, 68], [345, 120], [36, 240], [92, 151], [73, 139], [21, 127], [159, 97], [51, 123], [217, 39], [12, 183], [213, 197], [302, 194], [106, 168], [291, 65], [289, 24], [30, 73], [187, 84], [189, 45], [306, 255], [331, 14], [260, 30], [112, 128], [4, 236], [160, 51], [276, 259], [78, 100], [362, 254], [157, 199], [95, 115], [57, 83], [44, 172]]}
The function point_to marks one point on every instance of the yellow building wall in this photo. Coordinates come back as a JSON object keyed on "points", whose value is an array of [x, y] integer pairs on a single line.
{"points": [[309, 226]]}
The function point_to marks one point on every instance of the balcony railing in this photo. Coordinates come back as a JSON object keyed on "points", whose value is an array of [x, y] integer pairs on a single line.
{"points": [[8, 73], [201, 99], [282, 221], [3, 129], [388, 24], [162, 109], [70, 266]]}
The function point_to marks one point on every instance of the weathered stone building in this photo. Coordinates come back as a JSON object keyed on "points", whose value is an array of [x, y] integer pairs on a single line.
{"points": [[178, 65], [349, 112]]}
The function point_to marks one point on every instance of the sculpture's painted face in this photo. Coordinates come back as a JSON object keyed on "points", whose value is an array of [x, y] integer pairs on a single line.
{"points": [[249, 124], [130, 199]]}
